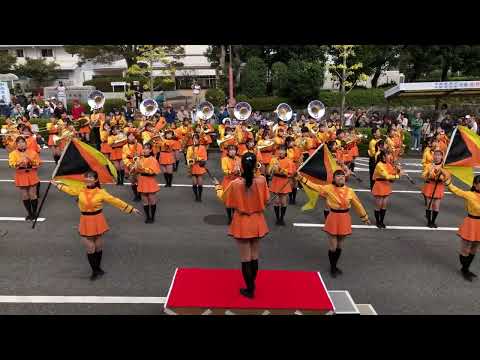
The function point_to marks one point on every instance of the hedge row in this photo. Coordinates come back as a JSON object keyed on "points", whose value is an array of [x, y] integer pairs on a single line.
{"points": [[103, 83]]}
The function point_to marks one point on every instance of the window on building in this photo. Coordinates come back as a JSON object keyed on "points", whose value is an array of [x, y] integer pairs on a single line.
{"points": [[20, 53], [3, 52], [47, 53]]}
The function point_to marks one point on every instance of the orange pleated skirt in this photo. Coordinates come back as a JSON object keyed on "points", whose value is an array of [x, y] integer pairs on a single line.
{"points": [[227, 180], [50, 140], [26, 177], [92, 225], [147, 184], [198, 170], [267, 157], [84, 130], [167, 158], [116, 153], [470, 229], [382, 188], [105, 148], [338, 224], [242, 148], [428, 190], [280, 185], [245, 226]]}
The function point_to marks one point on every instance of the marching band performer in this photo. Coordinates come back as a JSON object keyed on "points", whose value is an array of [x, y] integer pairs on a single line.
{"points": [[176, 146], [281, 168], [340, 198], [116, 141], [295, 154], [118, 119], [279, 139], [97, 120], [147, 168], [442, 140], [242, 136], [92, 221], [248, 196], [130, 153], [105, 148], [433, 182], [26, 163], [167, 156], [266, 146], [383, 175], [84, 130], [228, 139], [54, 127], [469, 231], [231, 167], [196, 160], [372, 152]]}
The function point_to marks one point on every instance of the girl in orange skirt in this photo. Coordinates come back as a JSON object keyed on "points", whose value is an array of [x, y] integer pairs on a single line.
{"points": [[338, 224], [147, 169], [281, 169], [167, 157], [105, 149], [177, 145], [469, 231], [249, 196], [295, 154], [231, 167], [53, 128], [130, 153], [433, 182], [92, 221], [196, 160], [383, 175], [26, 162], [117, 152]]}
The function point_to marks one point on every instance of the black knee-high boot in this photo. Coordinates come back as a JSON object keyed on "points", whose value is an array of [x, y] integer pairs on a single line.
{"points": [[382, 217], [165, 176], [254, 266], [326, 213], [294, 195], [195, 191], [338, 252], [34, 205], [28, 206], [135, 193], [377, 219], [434, 217], [283, 210], [153, 209], [92, 261], [56, 158], [351, 166], [122, 177], [464, 260], [175, 168], [290, 198], [247, 277], [333, 262], [146, 208], [425, 200], [170, 179], [200, 190], [428, 215], [98, 262], [229, 215], [469, 262], [277, 214], [38, 189]]}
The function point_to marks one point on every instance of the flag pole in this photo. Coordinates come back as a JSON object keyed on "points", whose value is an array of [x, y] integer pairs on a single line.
{"points": [[443, 164], [50, 184]]}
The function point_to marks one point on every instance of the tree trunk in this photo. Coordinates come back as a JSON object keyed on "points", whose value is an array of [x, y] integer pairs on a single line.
{"points": [[344, 73], [222, 57], [376, 76], [445, 68]]}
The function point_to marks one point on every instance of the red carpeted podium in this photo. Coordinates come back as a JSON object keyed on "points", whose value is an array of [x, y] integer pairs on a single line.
{"points": [[216, 291]]}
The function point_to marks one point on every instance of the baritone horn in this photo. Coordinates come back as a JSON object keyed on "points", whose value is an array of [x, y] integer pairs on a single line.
{"points": [[148, 107], [316, 109], [96, 100], [242, 111], [284, 112], [204, 110]]}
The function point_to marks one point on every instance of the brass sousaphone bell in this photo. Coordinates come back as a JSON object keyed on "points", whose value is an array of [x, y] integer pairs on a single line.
{"points": [[316, 109], [148, 107], [242, 111], [96, 100], [205, 110]]}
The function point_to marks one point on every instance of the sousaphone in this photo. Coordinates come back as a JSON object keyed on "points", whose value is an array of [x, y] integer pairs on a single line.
{"points": [[148, 107], [316, 109], [205, 110], [96, 100], [242, 111]]}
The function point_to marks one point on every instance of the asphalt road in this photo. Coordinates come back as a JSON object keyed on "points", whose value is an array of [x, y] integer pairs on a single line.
{"points": [[397, 271]]}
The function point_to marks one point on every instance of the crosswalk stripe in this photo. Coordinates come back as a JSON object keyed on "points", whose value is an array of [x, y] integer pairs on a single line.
{"points": [[82, 299], [12, 218], [389, 227]]}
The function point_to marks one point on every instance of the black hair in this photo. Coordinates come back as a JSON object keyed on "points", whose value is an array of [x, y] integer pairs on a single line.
{"points": [[476, 180], [94, 174], [196, 136], [377, 145], [20, 138], [289, 139], [339, 131], [249, 164], [382, 157], [305, 129], [331, 144], [283, 147], [148, 145]]}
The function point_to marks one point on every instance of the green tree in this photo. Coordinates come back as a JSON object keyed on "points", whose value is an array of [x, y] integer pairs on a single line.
{"points": [[378, 58], [7, 61], [305, 79], [254, 78], [130, 53], [279, 78], [418, 62], [215, 96], [38, 70]]}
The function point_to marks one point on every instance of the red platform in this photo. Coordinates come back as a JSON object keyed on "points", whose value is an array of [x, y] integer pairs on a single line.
{"points": [[196, 290]]}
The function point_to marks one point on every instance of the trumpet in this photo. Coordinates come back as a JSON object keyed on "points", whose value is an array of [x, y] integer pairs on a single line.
{"points": [[226, 138], [120, 140], [65, 135]]}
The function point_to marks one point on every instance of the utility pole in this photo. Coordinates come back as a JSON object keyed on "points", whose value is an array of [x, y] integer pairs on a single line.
{"points": [[231, 100]]}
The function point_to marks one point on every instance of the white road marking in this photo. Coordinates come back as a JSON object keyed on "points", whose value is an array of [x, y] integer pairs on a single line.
{"points": [[389, 227], [82, 299], [8, 218], [43, 161]]}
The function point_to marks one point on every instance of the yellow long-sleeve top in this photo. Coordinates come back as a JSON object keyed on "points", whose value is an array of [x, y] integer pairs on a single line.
{"points": [[148, 165], [427, 157], [431, 171], [99, 118], [129, 151], [91, 200], [385, 171], [221, 131], [197, 153], [323, 137], [16, 159], [338, 197], [146, 136], [371, 147], [472, 199], [229, 165], [118, 120], [104, 136]]}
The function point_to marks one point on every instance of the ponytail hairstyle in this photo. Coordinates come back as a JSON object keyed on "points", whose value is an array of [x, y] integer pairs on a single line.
{"points": [[476, 180], [249, 164], [94, 174], [377, 145], [382, 157]]}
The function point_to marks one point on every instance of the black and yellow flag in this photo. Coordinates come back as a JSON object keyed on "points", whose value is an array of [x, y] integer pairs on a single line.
{"points": [[463, 154], [319, 169], [78, 158]]}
